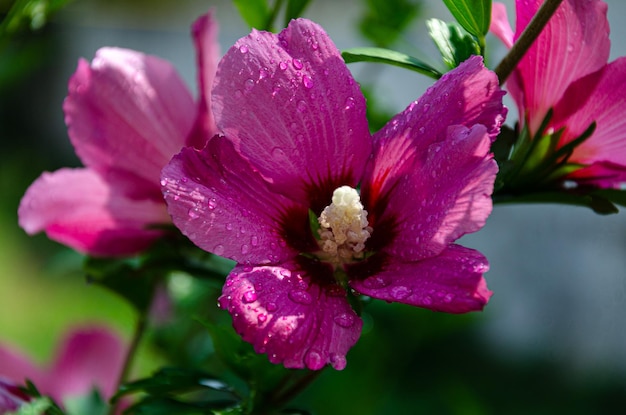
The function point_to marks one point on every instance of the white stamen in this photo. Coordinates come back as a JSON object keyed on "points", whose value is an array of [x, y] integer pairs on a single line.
{"points": [[344, 227]]}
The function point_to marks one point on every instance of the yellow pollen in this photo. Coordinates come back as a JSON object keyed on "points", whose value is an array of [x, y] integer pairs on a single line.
{"points": [[344, 227]]}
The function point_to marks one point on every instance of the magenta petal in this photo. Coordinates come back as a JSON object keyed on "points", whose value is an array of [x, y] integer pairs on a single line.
{"points": [[17, 368], [77, 208], [599, 97], [11, 397], [127, 113], [500, 25], [291, 106], [297, 323], [450, 187], [204, 32], [88, 357], [225, 207], [601, 174], [574, 43], [451, 282]]}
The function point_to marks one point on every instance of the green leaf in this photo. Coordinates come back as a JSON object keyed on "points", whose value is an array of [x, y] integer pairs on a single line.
{"points": [[389, 57], [473, 15], [91, 404], [595, 201], [294, 9], [385, 20], [453, 42], [35, 407], [33, 14], [255, 13], [614, 195]]}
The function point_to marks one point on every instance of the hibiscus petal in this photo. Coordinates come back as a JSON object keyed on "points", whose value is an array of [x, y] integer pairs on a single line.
{"points": [[76, 207], [204, 32], [451, 282], [88, 357], [225, 207], [297, 323], [443, 193], [127, 113], [574, 43], [17, 367], [500, 24], [599, 97], [11, 396], [600, 174], [293, 109]]}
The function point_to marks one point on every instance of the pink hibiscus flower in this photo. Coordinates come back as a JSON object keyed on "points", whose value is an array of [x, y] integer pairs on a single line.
{"points": [[127, 114], [566, 69], [87, 358], [277, 194]]}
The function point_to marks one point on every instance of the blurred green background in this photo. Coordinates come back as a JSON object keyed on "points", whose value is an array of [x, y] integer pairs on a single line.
{"points": [[552, 340]]}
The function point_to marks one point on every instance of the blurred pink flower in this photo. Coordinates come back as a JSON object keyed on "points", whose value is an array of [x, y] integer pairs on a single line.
{"points": [[11, 397], [295, 139], [566, 69], [127, 114], [86, 358]]}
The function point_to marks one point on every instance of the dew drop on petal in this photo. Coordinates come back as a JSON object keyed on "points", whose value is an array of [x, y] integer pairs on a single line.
{"points": [[243, 49], [297, 63], [271, 307], [300, 297], [344, 320], [163, 182], [301, 106], [249, 296], [245, 249], [313, 360], [400, 292], [349, 103], [448, 298], [262, 318], [338, 361], [212, 203], [218, 249], [249, 84], [254, 241], [307, 81], [193, 213], [282, 66], [376, 282], [263, 73]]}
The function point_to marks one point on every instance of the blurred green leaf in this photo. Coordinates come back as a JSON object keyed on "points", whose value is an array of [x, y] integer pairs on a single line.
{"points": [[255, 13], [595, 201], [294, 9], [33, 14], [91, 404], [473, 15], [453, 42], [385, 20], [35, 407], [389, 57]]}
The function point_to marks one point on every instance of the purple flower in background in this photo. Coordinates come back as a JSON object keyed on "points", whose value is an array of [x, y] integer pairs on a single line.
{"points": [[277, 194], [566, 70], [87, 358], [127, 114]]}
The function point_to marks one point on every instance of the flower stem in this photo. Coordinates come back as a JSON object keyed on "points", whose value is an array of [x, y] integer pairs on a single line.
{"points": [[525, 41], [297, 387], [140, 328]]}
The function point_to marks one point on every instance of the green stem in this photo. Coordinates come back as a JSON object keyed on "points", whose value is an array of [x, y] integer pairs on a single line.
{"points": [[285, 396], [140, 328], [525, 41], [272, 16]]}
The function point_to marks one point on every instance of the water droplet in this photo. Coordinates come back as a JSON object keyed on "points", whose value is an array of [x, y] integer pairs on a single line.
{"points": [[243, 49], [426, 107], [349, 103], [218, 249], [276, 89], [193, 213], [448, 298], [338, 361], [282, 66], [344, 320], [271, 307], [300, 297], [212, 203], [297, 63], [301, 106], [249, 84], [263, 73], [245, 249], [254, 241], [427, 300], [314, 45], [313, 360], [258, 286], [229, 226], [249, 296], [376, 282], [400, 292], [163, 182], [307, 81], [279, 153], [262, 318]]}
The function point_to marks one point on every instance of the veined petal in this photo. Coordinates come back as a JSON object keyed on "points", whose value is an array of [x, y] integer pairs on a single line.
{"points": [[204, 32], [127, 114], [599, 97], [295, 322], [76, 207], [500, 25], [574, 43], [451, 282], [405, 154], [88, 357], [219, 202], [292, 108], [605, 175], [442, 194]]}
